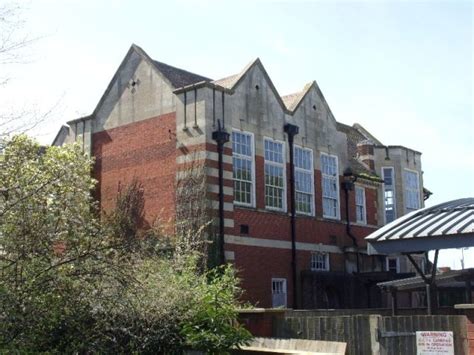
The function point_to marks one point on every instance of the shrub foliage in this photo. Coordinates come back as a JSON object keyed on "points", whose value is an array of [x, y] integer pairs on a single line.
{"points": [[71, 282]]}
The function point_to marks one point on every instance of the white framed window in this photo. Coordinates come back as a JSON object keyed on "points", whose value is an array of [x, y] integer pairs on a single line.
{"points": [[388, 176], [361, 214], [393, 264], [243, 169], [330, 186], [275, 176], [304, 180], [320, 261], [412, 191], [279, 294]]}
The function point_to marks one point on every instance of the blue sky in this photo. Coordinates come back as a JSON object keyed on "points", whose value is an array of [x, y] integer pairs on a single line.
{"points": [[402, 69]]}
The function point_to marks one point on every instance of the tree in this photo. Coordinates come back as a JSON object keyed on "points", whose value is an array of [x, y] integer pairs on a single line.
{"points": [[14, 42], [71, 282], [51, 244], [195, 231]]}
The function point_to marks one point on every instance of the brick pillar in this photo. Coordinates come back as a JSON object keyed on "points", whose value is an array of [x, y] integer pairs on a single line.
{"points": [[468, 311]]}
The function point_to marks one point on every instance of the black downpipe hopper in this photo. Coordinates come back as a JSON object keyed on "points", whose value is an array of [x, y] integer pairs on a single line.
{"points": [[221, 137], [292, 131]]}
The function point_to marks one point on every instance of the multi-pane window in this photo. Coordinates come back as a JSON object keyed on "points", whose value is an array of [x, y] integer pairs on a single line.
{"points": [[242, 159], [278, 293], [389, 194], [274, 175], [304, 177], [360, 204], [330, 186], [320, 261], [412, 191], [393, 264]]}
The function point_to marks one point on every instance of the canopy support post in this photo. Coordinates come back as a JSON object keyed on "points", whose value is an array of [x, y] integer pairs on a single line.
{"points": [[393, 292], [428, 281], [468, 291]]}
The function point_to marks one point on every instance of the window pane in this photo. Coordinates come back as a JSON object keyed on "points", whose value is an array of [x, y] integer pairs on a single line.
{"points": [[319, 261], [389, 194], [304, 177], [274, 174], [360, 204], [330, 182], [412, 191], [242, 167]]}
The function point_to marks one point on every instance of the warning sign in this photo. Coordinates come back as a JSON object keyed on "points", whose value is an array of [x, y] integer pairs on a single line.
{"points": [[434, 343]]}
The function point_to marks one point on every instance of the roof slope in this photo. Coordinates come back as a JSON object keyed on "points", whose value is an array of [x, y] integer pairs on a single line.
{"points": [[227, 82], [444, 226], [231, 81], [292, 101], [178, 77], [451, 278]]}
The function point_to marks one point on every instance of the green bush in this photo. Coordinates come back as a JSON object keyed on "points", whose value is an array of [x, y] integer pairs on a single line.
{"points": [[71, 283]]}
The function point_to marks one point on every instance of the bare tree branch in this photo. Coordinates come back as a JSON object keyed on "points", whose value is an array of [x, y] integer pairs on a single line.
{"points": [[13, 44]]}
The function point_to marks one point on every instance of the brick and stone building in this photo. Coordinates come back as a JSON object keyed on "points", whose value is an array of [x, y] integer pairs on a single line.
{"points": [[154, 119]]}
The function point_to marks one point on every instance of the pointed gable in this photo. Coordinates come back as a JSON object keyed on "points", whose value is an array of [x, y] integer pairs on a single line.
{"points": [[292, 101], [233, 81]]}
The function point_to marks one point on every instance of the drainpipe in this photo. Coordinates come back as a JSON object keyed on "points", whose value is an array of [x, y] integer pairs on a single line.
{"points": [[292, 131], [347, 185], [221, 137]]}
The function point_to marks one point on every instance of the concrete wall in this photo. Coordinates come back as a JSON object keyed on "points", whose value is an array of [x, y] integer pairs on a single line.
{"points": [[124, 103], [137, 92], [259, 111]]}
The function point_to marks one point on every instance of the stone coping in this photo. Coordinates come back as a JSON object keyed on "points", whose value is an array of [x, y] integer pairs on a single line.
{"points": [[464, 306], [263, 310]]}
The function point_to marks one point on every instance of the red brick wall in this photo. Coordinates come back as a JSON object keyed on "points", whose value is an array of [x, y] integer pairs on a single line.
{"points": [[145, 150], [371, 206], [258, 265], [260, 322]]}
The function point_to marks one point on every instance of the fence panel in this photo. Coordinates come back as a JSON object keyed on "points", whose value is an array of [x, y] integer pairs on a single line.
{"points": [[372, 334], [396, 335]]}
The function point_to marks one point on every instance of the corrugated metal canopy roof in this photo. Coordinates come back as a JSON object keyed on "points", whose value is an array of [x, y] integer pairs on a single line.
{"points": [[454, 278], [444, 226]]}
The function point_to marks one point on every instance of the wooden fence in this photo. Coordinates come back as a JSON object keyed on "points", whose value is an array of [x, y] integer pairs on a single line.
{"points": [[372, 334]]}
